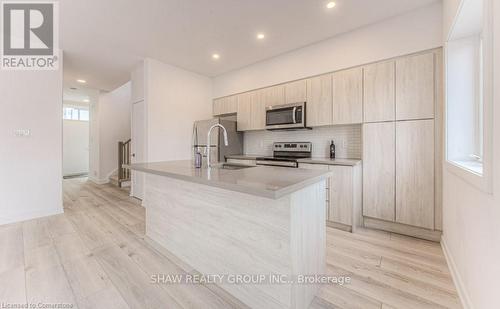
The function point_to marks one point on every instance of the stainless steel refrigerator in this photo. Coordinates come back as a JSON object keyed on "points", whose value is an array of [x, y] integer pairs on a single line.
{"points": [[218, 150]]}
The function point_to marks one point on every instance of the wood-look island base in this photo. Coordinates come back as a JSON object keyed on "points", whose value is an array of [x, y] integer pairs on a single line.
{"points": [[222, 232]]}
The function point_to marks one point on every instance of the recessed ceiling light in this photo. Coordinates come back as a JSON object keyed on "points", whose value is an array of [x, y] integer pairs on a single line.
{"points": [[81, 81], [216, 56], [86, 100], [330, 5], [260, 36]]}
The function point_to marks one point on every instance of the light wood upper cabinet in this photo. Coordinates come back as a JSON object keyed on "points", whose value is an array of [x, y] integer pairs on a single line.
{"points": [[415, 173], [319, 101], [251, 112], [347, 87], [274, 95], [379, 94], [296, 92], [379, 173], [415, 87], [226, 105]]}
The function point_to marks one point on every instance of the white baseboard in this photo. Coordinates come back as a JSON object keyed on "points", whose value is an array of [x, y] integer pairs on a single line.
{"points": [[30, 215], [457, 279], [99, 181]]}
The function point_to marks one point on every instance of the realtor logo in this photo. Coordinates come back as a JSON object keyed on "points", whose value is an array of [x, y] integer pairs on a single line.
{"points": [[29, 35]]}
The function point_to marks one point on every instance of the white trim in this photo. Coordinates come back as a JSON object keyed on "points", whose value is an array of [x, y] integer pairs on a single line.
{"points": [[31, 215], [457, 279]]}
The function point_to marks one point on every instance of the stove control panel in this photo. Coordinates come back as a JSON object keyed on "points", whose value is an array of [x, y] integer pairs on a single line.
{"points": [[293, 147]]}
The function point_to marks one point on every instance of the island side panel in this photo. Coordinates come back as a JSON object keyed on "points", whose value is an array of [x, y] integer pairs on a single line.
{"points": [[308, 240], [217, 231]]}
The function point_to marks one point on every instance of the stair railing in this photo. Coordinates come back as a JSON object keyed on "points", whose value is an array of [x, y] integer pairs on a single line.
{"points": [[123, 158]]}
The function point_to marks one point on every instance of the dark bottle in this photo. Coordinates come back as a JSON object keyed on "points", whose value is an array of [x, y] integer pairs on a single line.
{"points": [[332, 150]]}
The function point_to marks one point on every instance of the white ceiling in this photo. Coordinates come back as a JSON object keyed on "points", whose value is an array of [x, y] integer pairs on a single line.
{"points": [[78, 95], [104, 39]]}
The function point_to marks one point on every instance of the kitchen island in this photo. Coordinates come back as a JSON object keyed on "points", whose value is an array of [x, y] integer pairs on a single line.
{"points": [[263, 224]]}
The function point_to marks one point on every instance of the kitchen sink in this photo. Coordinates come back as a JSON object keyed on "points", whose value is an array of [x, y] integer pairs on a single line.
{"points": [[232, 166]]}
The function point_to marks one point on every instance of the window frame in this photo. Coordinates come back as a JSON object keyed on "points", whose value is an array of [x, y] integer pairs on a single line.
{"points": [[78, 110], [483, 117]]}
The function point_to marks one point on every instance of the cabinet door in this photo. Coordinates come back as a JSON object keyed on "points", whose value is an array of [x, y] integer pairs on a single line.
{"points": [[324, 168], [379, 96], [415, 87], [244, 113], [348, 96], [272, 95], [415, 173], [341, 195], [379, 175], [296, 91], [319, 101], [226, 105]]}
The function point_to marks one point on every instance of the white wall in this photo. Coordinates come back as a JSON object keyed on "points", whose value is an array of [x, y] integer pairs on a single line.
{"points": [[114, 126], [175, 98], [94, 136], [450, 10], [405, 34], [75, 147], [471, 218], [31, 167]]}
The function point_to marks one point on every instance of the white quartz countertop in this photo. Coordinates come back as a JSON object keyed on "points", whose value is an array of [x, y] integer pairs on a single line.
{"points": [[269, 182], [315, 160]]}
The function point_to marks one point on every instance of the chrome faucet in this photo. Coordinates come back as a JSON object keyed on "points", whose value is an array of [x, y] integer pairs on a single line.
{"points": [[209, 140]]}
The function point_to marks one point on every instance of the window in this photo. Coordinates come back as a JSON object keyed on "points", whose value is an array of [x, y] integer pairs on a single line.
{"points": [[76, 113], [469, 93]]}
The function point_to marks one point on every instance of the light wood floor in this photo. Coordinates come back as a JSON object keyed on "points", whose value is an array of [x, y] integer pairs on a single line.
{"points": [[94, 256]]}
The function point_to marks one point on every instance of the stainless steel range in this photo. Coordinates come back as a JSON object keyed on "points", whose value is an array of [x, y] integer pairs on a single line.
{"points": [[287, 154]]}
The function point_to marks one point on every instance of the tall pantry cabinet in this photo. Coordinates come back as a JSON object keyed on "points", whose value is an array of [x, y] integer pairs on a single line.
{"points": [[400, 102]]}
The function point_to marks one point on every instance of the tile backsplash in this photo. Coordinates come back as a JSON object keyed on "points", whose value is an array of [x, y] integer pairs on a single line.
{"points": [[347, 140]]}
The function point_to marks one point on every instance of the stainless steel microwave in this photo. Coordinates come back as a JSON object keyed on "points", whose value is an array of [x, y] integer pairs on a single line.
{"points": [[286, 117]]}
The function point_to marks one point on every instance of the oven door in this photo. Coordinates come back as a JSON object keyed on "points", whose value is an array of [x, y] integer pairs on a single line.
{"points": [[289, 116]]}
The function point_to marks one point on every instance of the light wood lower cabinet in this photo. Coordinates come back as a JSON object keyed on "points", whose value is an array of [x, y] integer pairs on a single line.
{"points": [[344, 193], [398, 172], [415, 173]]}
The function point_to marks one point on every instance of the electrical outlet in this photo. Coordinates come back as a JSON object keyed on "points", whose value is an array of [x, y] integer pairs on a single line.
{"points": [[22, 132], [344, 144]]}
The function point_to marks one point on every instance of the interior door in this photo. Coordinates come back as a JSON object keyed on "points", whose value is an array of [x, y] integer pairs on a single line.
{"points": [[138, 145]]}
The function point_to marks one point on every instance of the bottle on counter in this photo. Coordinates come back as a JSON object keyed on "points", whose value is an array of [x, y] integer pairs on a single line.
{"points": [[197, 158], [332, 150]]}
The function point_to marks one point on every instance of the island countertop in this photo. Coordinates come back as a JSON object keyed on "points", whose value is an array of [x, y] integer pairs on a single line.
{"points": [[264, 181]]}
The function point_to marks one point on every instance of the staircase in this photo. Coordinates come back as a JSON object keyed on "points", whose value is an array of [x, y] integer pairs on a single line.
{"points": [[114, 180], [121, 177]]}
